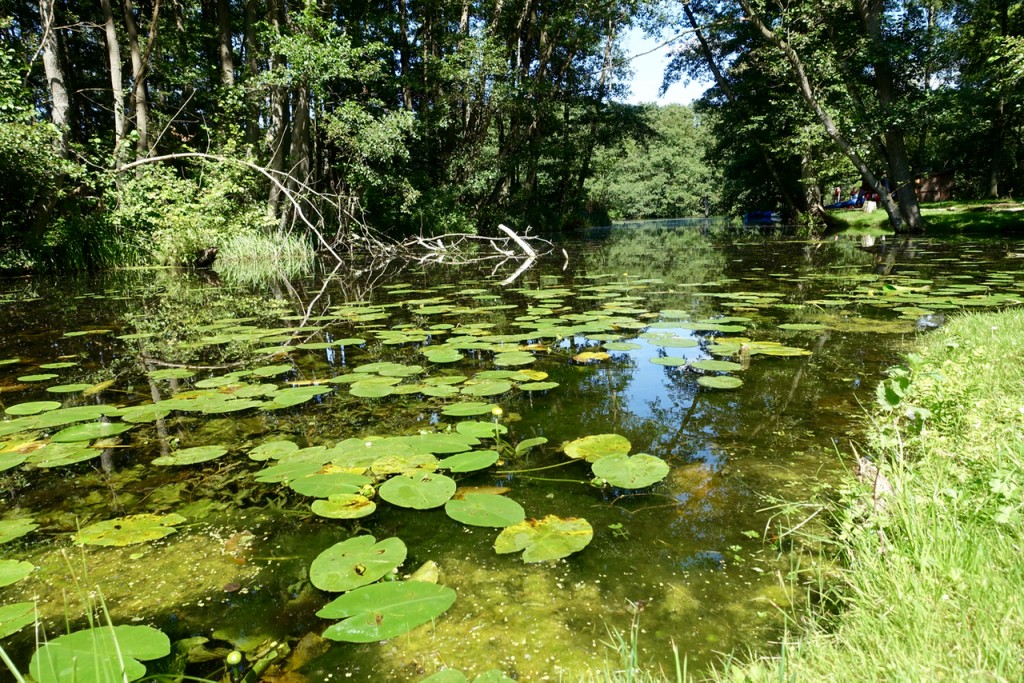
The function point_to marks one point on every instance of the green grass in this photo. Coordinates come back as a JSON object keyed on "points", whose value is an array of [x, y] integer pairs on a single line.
{"points": [[934, 580], [945, 217]]}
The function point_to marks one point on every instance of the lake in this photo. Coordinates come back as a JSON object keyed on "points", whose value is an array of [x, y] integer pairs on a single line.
{"points": [[638, 429]]}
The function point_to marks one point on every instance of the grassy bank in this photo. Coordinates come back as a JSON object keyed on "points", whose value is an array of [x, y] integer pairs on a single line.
{"points": [[933, 575], [946, 217], [935, 571]]}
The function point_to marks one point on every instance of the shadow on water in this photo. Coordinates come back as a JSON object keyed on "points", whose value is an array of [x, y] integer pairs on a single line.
{"points": [[808, 328]]}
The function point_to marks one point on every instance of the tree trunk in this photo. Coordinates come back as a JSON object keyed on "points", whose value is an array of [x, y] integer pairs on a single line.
{"points": [[896, 219], [116, 81], [277, 133], [299, 156], [403, 55], [227, 60], [60, 110], [139, 69]]}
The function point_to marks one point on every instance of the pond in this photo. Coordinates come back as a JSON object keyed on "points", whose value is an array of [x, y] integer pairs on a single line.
{"points": [[444, 468]]}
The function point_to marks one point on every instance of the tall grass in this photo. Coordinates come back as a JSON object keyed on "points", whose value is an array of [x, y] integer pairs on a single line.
{"points": [[256, 258], [934, 571]]}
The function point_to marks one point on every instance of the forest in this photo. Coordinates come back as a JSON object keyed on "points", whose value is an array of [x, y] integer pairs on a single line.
{"points": [[156, 131]]}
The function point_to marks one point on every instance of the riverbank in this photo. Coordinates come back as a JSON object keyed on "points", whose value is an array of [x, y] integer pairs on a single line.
{"points": [[943, 218], [932, 546]]}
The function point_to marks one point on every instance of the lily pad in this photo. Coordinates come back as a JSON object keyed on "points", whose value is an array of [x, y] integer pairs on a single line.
{"points": [[418, 490], [32, 408], [106, 654], [720, 382], [385, 610], [344, 506], [622, 346], [551, 538], [487, 388], [591, 448], [191, 456], [328, 481], [636, 472], [356, 562], [37, 378], [129, 530], [371, 389], [273, 450], [12, 571], [90, 431], [469, 462], [468, 409], [481, 430], [442, 355], [717, 365], [67, 388], [11, 529], [670, 361], [150, 412], [482, 509], [171, 373], [15, 617], [526, 444], [62, 454], [514, 358]]}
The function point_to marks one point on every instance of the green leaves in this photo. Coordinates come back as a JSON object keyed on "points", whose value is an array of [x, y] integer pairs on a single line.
{"points": [[482, 509], [356, 562], [129, 530], [100, 655], [385, 610], [551, 538], [591, 448], [636, 472], [420, 491]]}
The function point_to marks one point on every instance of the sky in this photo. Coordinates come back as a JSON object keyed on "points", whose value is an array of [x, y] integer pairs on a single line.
{"points": [[649, 69]]}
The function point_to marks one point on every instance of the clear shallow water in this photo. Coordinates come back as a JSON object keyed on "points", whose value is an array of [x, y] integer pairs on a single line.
{"points": [[693, 554]]}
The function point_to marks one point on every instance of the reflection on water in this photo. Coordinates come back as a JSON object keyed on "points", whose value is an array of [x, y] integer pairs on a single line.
{"points": [[688, 553]]}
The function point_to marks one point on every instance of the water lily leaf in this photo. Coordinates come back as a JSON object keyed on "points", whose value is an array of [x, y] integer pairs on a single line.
{"points": [[487, 388], [191, 456], [419, 490], [636, 472], [171, 373], [526, 444], [65, 416], [11, 529], [57, 366], [10, 460], [622, 346], [273, 370], [537, 386], [441, 443], [37, 378], [403, 464], [551, 538], [514, 358], [469, 462], [15, 617], [670, 361], [468, 409], [717, 365], [288, 469], [67, 388], [588, 356], [129, 530], [62, 454], [481, 509], [590, 448], [328, 481], [32, 408], [481, 430], [439, 391], [90, 431], [344, 506], [371, 389], [12, 571], [148, 413], [273, 450], [442, 355], [356, 562], [720, 382], [97, 655], [385, 610], [675, 343], [293, 396]]}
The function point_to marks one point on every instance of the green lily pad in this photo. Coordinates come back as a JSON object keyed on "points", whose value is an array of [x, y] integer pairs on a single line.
{"points": [[356, 562], [551, 538], [419, 490], [273, 370], [293, 396], [273, 450], [468, 409], [526, 444], [90, 431], [191, 456], [385, 610], [344, 506], [32, 408], [514, 358], [57, 366], [636, 472], [717, 365], [405, 463], [469, 462], [151, 412], [720, 382], [327, 482], [671, 361], [622, 346], [62, 454], [171, 373], [441, 443], [487, 388], [37, 378], [591, 448], [15, 617], [675, 343], [537, 386], [68, 388], [11, 529], [12, 571], [106, 654], [287, 470], [11, 460], [371, 389], [485, 509], [442, 355], [481, 430], [439, 391], [129, 530]]}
